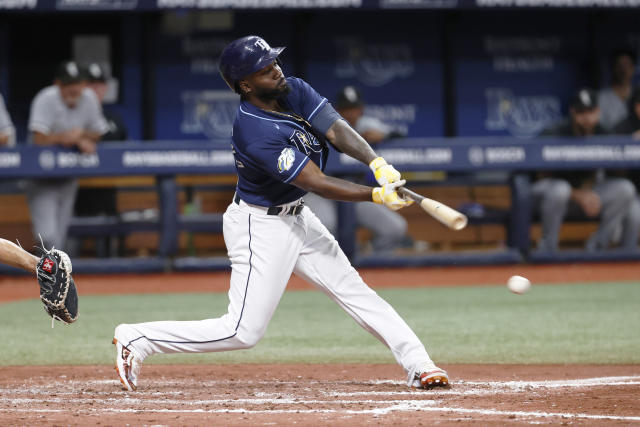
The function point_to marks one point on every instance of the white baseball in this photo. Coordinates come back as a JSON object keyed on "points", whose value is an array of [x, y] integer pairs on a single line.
{"points": [[518, 284]]}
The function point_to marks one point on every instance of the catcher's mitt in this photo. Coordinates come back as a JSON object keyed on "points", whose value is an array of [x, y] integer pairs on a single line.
{"points": [[57, 289]]}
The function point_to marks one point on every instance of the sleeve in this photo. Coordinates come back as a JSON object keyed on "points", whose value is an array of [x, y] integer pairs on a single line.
{"points": [[281, 161], [309, 103], [6, 126], [5, 120], [325, 117], [95, 119], [41, 115]]}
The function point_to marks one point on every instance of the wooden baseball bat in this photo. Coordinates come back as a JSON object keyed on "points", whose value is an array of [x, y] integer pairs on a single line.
{"points": [[443, 213]]}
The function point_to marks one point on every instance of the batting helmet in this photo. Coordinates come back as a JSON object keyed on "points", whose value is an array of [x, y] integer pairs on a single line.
{"points": [[244, 56]]}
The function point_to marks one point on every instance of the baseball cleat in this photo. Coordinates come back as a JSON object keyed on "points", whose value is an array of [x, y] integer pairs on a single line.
{"points": [[127, 366], [428, 376], [436, 378]]}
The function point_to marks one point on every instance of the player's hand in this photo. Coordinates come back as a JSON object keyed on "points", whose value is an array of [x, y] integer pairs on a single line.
{"points": [[384, 172], [388, 196], [72, 137], [589, 201], [86, 146]]}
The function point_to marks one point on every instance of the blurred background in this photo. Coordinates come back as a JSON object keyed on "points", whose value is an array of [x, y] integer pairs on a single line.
{"points": [[435, 73]]}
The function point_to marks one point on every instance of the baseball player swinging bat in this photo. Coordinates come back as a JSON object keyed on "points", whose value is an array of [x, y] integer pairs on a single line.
{"points": [[443, 213]]}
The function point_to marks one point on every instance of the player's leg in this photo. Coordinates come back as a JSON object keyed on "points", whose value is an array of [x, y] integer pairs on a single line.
{"points": [[388, 227], [616, 198], [323, 264], [13, 255], [551, 196], [66, 200], [631, 226], [263, 250], [43, 207]]}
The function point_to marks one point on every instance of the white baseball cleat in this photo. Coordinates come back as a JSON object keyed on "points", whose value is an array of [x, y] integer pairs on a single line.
{"points": [[428, 376], [127, 366]]}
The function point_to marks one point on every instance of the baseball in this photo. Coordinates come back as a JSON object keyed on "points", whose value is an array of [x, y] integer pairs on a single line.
{"points": [[518, 284]]}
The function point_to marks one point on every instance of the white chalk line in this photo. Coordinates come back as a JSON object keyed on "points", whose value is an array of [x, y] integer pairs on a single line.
{"points": [[283, 401], [393, 405], [401, 407], [598, 381]]}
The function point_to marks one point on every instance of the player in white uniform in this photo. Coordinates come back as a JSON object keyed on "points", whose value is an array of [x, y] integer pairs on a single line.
{"points": [[65, 114], [279, 142]]}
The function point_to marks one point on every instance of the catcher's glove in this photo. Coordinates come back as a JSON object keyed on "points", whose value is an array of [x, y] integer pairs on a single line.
{"points": [[57, 289]]}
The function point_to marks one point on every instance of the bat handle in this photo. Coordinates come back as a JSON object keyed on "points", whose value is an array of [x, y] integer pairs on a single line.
{"points": [[411, 194]]}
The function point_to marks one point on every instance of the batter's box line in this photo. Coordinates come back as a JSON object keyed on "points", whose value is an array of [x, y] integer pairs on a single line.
{"points": [[378, 411]]}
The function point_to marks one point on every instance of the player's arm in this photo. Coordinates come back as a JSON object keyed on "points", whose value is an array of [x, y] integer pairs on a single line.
{"points": [[66, 139], [312, 179], [347, 140], [13, 255]]}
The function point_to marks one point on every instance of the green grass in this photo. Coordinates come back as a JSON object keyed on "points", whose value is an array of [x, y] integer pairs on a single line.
{"points": [[579, 323]]}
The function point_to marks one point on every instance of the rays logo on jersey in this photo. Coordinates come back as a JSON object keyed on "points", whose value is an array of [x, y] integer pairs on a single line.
{"points": [[305, 142], [286, 159]]}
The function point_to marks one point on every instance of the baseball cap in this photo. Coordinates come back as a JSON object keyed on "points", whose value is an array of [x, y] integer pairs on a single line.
{"points": [[95, 73], [69, 72], [584, 100], [349, 97]]}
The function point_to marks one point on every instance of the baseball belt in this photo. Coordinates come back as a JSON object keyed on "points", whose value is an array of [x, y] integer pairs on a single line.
{"points": [[277, 210]]}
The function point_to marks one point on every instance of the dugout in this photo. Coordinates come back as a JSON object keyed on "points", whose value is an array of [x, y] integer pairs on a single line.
{"points": [[470, 69]]}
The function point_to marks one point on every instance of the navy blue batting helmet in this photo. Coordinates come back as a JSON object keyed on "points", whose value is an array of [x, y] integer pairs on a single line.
{"points": [[244, 56]]}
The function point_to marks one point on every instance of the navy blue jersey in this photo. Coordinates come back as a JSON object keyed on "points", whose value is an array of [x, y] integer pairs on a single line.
{"points": [[271, 148]]}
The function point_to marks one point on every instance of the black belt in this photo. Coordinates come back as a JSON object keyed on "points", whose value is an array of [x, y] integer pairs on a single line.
{"points": [[277, 210]]}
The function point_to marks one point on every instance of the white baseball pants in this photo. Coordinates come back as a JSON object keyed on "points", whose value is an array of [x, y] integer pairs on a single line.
{"points": [[264, 251]]}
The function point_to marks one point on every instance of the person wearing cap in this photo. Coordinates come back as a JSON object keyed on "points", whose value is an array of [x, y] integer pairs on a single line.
{"points": [[66, 114], [351, 106], [7, 131], [613, 100], [588, 192], [97, 81], [388, 228]]}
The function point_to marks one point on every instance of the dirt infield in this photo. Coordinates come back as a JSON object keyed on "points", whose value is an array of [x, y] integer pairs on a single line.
{"points": [[309, 395]]}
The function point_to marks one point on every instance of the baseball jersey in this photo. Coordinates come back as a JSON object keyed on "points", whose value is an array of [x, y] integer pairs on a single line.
{"points": [[49, 114], [271, 148], [6, 126]]}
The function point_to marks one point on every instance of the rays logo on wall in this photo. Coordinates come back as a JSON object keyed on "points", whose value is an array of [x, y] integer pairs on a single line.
{"points": [[522, 116], [373, 64], [209, 112], [305, 142]]}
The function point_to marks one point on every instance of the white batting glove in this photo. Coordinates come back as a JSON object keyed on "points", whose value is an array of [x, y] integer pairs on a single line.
{"points": [[388, 196], [384, 172]]}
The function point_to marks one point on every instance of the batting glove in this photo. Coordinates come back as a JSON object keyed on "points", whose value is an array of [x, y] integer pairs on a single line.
{"points": [[384, 172], [388, 196]]}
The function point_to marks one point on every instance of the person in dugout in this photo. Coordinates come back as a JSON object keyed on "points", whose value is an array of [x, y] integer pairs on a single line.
{"points": [[590, 193]]}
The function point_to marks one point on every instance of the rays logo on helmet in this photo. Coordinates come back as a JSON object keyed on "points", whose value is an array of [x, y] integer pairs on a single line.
{"points": [[285, 160]]}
